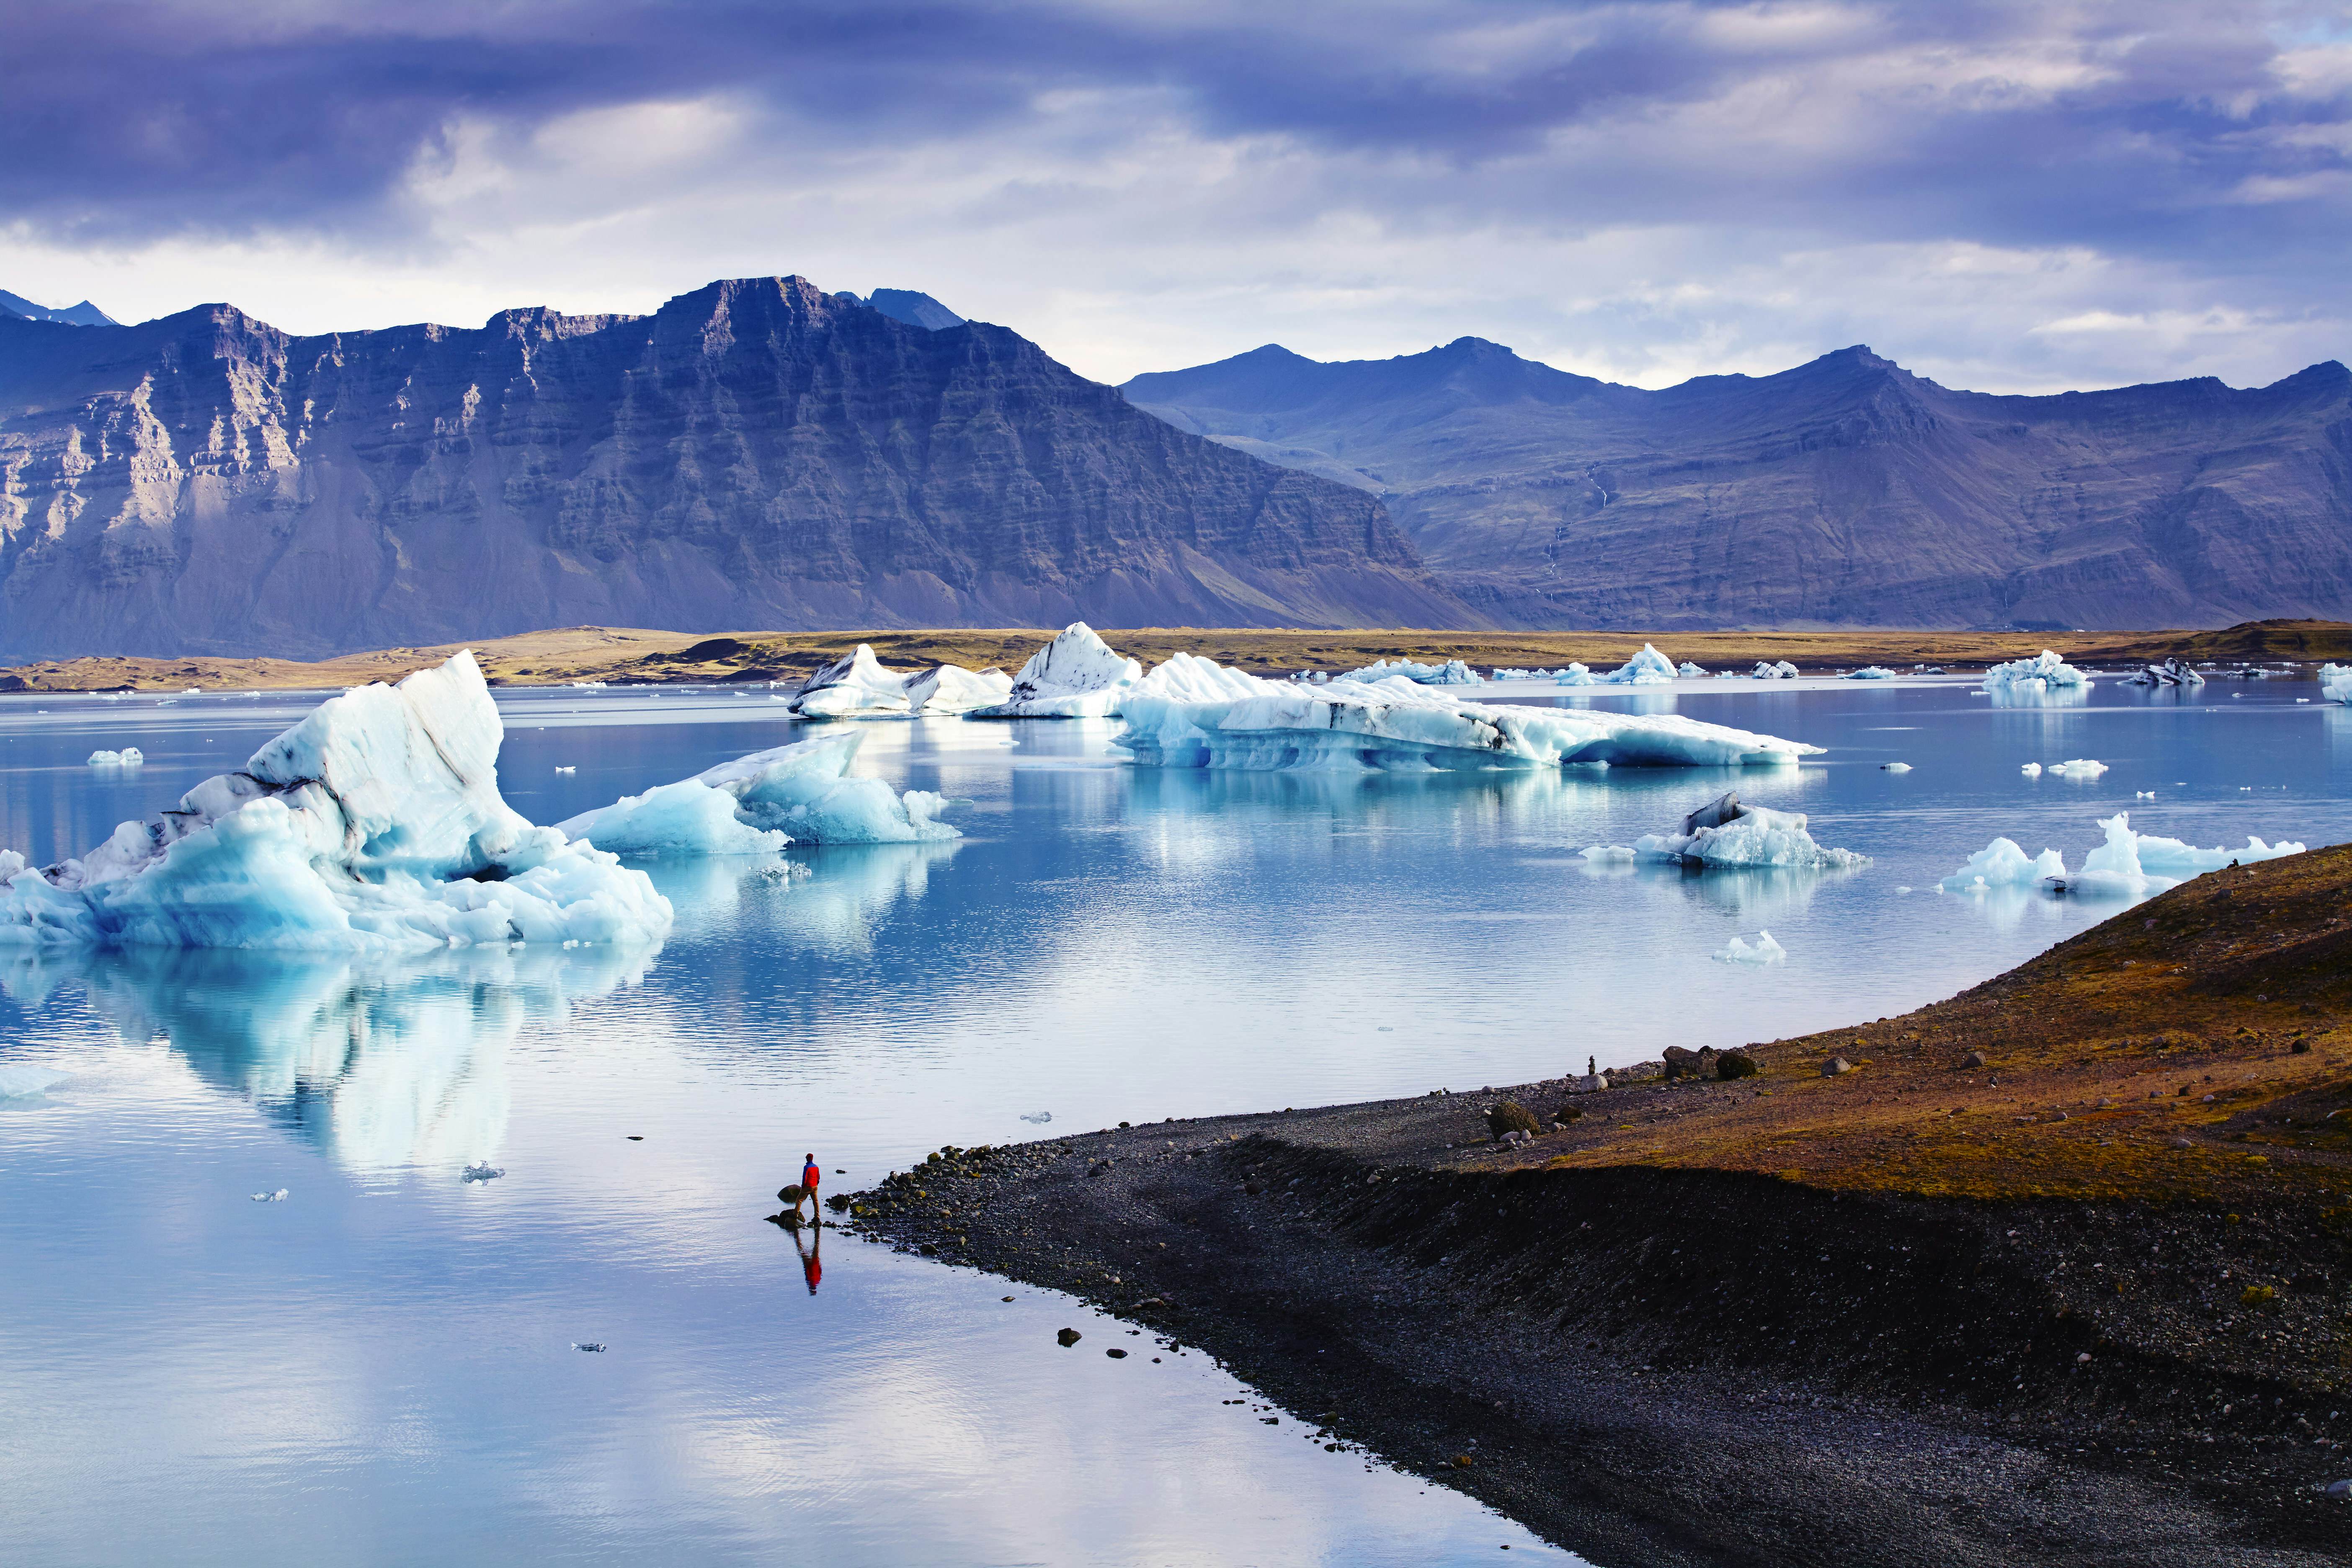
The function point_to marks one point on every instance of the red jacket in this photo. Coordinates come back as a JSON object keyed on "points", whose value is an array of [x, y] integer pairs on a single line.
{"points": [[809, 1174]]}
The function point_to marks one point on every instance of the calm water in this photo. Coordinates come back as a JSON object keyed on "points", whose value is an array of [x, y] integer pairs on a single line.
{"points": [[380, 1368]]}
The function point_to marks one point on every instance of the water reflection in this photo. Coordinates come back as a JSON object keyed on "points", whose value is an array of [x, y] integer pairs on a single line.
{"points": [[2040, 697], [383, 1064]]}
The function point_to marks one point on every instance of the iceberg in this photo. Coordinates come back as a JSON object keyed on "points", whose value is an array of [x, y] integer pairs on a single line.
{"points": [[2335, 682], [2001, 864], [1610, 855], [2171, 672], [2080, 768], [1870, 672], [757, 803], [1690, 671], [1187, 677], [1452, 672], [1396, 725], [1075, 675], [374, 824], [129, 757], [1783, 670], [2046, 672], [2125, 865], [1647, 667], [951, 689], [855, 686], [2030, 770], [1576, 674], [1764, 951], [1725, 833]]}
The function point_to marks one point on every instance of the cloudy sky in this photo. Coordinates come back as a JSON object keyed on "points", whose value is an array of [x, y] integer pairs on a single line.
{"points": [[2026, 195]]}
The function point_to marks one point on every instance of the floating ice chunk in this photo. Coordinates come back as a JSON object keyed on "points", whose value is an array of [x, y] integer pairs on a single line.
{"points": [[569, 770], [485, 1172], [855, 686], [1075, 675], [373, 824], [1610, 855], [587, 686], [2335, 682], [1185, 678], [22, 1082], [1576, 674], [1396, 725], [276, 1197], [1726, 833], [1870, 672], [1762, 951], [2002, 864], [2171, 672], [1452, 672], [2030, 770], [1895, 767], [760, 803], [129, 757], [1040, 1118], [1783, 670], [2080, 768], [2143, 794], [951, 689], [1647, 667], [1690, 671], [593, 1346], [2046, 672]]}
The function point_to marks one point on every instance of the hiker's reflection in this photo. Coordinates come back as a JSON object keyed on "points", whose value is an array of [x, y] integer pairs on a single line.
{"points": [[812, 1266]]}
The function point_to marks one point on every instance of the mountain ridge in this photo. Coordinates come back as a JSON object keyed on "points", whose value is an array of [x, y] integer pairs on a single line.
{"points": [[757, 452], [1845, 490]]}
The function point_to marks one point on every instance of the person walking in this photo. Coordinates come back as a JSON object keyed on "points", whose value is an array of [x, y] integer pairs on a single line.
{"points": [[809, 1176]]}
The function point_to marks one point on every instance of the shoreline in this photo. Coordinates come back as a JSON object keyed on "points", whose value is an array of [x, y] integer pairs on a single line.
{"points": [[1774, 1320], [632, 656]]}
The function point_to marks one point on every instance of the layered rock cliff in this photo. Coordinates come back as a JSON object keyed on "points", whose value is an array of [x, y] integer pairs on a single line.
{"points": [[756, 454], [1844, 492]]}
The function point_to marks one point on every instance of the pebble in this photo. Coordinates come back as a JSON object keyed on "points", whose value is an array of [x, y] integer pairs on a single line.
{"points": [[1115, 1353], [1069, 1337]]}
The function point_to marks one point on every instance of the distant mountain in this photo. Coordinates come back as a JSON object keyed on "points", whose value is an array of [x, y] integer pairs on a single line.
{"points": [[915, 310], [757, 453], [82, 315], [1844, 492]]}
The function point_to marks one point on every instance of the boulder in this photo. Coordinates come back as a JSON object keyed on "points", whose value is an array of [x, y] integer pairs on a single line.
{"points": [[1681, 1063], [1836, 1067], [1510, 1116], [1735, 1064], [1566, 1114]]}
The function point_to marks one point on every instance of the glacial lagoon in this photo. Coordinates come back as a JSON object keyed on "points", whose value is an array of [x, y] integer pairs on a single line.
{"points": [[381, 1368]]}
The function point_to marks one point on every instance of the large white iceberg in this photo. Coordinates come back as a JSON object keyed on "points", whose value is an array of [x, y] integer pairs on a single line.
{"points": [[1452, 672], [2335, 682], [1397, 725], [2126, 865], [855, 686], [2046, 672], [374, 824], [1726, 833], [1075, 675], [1647, 667], [757, 803], [951, 689]]}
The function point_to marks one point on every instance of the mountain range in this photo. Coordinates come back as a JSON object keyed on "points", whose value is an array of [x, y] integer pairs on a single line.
{"points": [[82, 315], [1844, 492], [758, 453]]}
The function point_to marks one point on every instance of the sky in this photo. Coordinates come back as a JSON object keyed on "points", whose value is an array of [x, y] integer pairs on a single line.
{"points": [[2009, 197]]}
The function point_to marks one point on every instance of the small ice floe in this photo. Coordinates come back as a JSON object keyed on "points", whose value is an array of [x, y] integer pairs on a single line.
{"points": [[129, 757], [194, 691], [1895, 767], [593, 1346], [1726, 833], [2080, 768], [25, 1082], [2143, 794], [2030, 770], [2171, 672], [1901, 889], [1610, 855], [2046, 672], [1690, 671], [1870, 672], [570, 770], [276, 1197], [485, 1172], [1763, 951], [1040, 1119], [1783, 670], [587, 686]]}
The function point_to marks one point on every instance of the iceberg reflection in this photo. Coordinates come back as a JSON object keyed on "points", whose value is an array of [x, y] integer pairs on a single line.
{"points": [[385, 1063]]}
